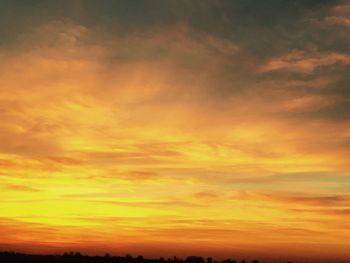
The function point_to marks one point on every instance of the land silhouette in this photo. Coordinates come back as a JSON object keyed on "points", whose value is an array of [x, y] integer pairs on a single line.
{"points": [[76, 257]]}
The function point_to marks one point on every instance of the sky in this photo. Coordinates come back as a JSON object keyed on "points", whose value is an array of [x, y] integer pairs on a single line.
{"points": [[162, 128]]}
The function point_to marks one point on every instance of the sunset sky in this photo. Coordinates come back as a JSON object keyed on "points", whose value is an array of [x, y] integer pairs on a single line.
{"points": [[162, 128]]}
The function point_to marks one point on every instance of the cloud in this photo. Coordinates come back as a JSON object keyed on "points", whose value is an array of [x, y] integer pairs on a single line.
{"points": [[339, 15], [206, 196], [341, 21], [16, 187], [307, 200], [190, 119], [135, 175], [297, 177], [62, 160], [302, 62]]}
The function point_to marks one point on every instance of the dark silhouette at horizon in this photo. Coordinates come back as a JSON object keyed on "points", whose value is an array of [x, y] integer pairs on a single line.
{"points": [[77, 257]]}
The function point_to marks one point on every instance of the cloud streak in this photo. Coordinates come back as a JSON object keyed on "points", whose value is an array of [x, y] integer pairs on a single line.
{"points": [[217, 123]]}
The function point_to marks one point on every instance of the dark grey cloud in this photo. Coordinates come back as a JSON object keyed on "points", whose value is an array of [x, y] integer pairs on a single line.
{"points": [[257, 25], [260, 29]]}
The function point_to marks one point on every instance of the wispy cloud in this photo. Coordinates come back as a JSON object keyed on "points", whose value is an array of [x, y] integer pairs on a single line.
{"points": [[215, 122], [305, 62]]}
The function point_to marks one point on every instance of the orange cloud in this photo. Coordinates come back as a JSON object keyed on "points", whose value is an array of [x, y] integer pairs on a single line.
{"points": [[15, 187], [140, 137], [299, 61]]}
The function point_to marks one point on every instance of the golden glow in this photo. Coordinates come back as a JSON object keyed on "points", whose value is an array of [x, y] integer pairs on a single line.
{"points": [[126, 156]]}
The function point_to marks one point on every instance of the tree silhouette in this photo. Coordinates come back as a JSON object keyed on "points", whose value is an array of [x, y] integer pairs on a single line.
{"points": [[193, 259], [76, 257]]}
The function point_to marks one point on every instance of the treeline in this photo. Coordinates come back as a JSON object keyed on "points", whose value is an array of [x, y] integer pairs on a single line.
{"points": [[76, 257]]}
